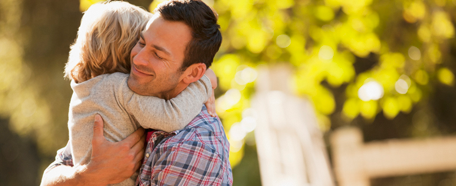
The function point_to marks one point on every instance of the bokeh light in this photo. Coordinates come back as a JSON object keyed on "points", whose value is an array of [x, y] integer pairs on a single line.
{"points": [[283, 41], [371, 90], [326, 53], [228, 100], [402, 84], [414, 53]]}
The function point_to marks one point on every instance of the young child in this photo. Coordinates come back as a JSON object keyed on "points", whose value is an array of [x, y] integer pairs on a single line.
{"points": [[98, 66]]}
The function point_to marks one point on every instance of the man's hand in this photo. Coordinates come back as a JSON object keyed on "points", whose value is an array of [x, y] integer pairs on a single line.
{"points": [[114, 162], [210, 104], [110, 162]]}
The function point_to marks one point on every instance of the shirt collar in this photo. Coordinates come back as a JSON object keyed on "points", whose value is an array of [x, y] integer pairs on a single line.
{"points": [[194, 122]]}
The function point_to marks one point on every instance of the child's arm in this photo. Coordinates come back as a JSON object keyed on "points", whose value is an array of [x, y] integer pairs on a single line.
{"points": [[169, 115]]}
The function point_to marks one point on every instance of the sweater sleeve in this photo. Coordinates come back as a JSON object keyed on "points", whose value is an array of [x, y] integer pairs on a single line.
{"points": [[169, 115]]}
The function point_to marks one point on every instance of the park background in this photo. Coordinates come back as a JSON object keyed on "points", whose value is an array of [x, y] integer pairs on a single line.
{"points": [[384, 66]]}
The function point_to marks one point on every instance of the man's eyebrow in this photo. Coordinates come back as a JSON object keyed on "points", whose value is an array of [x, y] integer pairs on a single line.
{"points": [[159, 48]]}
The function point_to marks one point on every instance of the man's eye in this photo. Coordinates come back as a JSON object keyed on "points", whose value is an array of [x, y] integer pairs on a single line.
{"points": [[157, 55], [141, 43]]}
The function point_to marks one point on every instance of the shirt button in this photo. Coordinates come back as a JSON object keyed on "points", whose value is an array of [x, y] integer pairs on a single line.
{"points": [[147, 155]]}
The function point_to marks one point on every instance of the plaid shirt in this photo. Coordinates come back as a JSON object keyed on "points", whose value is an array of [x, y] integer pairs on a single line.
{"points": [[195, 155]]}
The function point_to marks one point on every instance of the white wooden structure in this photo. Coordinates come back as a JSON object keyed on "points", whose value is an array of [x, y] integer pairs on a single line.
{"points": [[355, 163], [291, 150]]}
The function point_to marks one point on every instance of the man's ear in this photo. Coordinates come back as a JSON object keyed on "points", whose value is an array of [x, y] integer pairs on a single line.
{"points": [[194, 72]]}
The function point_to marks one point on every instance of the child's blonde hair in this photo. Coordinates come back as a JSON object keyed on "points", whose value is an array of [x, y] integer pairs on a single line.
{"points": [[107, 34]]}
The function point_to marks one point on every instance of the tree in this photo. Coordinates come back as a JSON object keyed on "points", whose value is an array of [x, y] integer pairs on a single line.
{"points": [[351, 58]]}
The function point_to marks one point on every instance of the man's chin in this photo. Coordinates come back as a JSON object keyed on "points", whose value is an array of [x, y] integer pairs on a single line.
{"points": [[138, 87], [138, 78]]}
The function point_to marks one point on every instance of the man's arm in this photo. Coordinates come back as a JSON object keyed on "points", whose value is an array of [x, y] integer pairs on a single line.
{"points": [[110, 162], [189, 163]]}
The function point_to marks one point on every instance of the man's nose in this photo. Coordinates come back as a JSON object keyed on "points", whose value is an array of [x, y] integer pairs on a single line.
{"points": [[140, 59]]}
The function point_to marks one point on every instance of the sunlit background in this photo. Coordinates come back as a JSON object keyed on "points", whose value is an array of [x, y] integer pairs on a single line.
{"points": [[385, 67]]}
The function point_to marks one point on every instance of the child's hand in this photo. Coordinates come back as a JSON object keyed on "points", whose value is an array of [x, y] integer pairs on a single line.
{"points": [[211, 75], [210, 104]]}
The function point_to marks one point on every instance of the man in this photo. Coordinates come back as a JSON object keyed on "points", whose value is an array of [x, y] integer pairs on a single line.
{"points": [[174, 50]]}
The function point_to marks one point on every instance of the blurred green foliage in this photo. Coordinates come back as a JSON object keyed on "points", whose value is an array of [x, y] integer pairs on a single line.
{"points": [[407, 40], [33, 95]]}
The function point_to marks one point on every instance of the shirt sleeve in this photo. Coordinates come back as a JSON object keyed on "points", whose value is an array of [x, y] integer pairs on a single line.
{"points": [[63, 157], [169, 115], [190, 163]]}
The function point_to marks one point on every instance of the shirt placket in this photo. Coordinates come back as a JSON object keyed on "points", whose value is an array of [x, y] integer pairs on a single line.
{"points": [[153, 142]]}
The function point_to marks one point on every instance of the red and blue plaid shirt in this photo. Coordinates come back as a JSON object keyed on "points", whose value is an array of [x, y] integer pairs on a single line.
{"points": [[196, 155]]}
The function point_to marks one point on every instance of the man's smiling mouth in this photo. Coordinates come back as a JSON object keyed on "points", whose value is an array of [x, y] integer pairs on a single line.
{"points": [[139, 72]]}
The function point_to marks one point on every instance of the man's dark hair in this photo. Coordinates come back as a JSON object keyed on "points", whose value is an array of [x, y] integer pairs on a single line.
{"points": [[206, 36]]}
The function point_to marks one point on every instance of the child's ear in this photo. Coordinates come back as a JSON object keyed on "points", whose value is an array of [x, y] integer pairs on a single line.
{"points": [[194, 72]]}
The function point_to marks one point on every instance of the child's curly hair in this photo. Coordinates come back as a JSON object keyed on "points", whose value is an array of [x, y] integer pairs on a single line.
{"points": [[107, 34]]}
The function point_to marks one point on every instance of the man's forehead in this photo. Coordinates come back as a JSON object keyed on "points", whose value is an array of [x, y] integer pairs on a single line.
{"points": [[151, 20], [169, 36], [174, 29]]}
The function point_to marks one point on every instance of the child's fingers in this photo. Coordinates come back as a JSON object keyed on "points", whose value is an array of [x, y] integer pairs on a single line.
{"points": [[212, 77], [211, 106]]}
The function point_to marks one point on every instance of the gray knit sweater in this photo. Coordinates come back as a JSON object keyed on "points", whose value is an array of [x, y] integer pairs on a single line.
{"points": [[123, 111]]}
